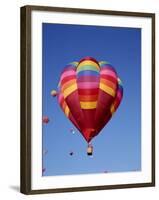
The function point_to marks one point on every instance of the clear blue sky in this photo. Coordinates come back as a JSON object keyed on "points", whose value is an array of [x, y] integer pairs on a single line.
{"points": [[118, 146]]}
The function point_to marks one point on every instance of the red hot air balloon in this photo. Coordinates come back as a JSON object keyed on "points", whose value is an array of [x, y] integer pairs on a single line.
{"points": [[45, 119], [89, 94]]}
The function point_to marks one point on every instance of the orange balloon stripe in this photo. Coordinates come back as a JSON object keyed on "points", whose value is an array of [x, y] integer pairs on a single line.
{"points": [[63, 103], [68, 84], [64, 107], [88, 97], [112, 109], [108, 83]]}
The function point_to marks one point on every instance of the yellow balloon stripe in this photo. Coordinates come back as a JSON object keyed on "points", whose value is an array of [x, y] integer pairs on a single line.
{"points": [[67, 111], [107, 89], [67, 84], [88, 105], [69, 90], [88, 62]]}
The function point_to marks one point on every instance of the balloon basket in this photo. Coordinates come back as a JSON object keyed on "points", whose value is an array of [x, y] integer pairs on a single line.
{"points": [[90, 150]]}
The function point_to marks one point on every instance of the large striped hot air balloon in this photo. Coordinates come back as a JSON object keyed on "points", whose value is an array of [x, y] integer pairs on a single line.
{"points": [[89, 94]]}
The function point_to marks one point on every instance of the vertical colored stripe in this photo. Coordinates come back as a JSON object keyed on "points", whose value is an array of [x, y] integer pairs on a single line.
{"points": [[107, 89], [69, 90]]}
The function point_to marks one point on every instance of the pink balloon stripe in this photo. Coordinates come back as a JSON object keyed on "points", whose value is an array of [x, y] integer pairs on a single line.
{"points": [[108, 72], [60, 98], [87, 85], [67, 73], [119, 94]]}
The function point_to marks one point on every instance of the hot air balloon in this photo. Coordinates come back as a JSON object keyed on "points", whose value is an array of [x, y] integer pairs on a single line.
{"points": [[45, 119], [45, 151], [43, 170], [89, 94], [53, 93], [71, 153], [72, 131]]}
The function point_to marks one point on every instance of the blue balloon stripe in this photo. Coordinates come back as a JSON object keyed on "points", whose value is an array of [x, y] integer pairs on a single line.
{"points": [[88, 72], [106, 65]]}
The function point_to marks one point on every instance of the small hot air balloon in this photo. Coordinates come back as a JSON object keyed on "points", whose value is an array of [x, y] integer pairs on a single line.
{"points": [[53, 93], [45, 151], [72, 131], [71, 153], [45, 120], [89, 94], [43, 170]]}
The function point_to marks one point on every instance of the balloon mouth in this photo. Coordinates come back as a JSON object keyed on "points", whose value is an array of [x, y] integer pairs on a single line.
{"points": [[88, 134]]}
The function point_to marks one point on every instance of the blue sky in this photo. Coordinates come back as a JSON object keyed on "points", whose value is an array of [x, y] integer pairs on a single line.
{"points": [[118, 146]]}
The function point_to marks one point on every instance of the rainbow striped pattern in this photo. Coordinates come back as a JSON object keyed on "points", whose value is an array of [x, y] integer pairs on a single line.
{"points": [[89, 90], [67, 85], [88, 75]]}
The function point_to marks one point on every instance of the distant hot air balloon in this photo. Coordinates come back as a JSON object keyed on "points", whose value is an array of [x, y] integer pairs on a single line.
{"points": [[45, 151], [71, 153], [89, 94], [53, 93], [43, 170], [72, 131], [45, 119]]}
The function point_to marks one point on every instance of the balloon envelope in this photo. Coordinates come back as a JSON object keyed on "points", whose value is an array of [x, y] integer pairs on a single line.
{"points": [[53, 93], [72, 131], [45, 119], [89, 94], [71, 153], [43, 170]]}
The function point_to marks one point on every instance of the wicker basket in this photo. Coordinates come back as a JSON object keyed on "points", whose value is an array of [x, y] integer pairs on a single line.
{"points": [[89, 150]]}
